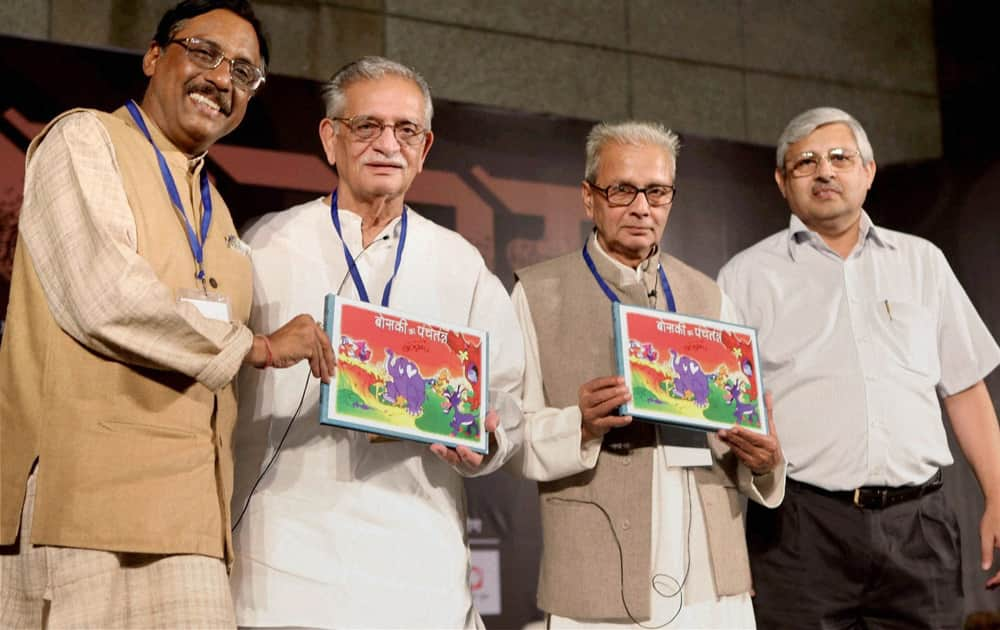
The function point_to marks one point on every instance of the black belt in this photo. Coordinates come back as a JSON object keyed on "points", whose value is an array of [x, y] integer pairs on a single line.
{"points": [[876, 497]]}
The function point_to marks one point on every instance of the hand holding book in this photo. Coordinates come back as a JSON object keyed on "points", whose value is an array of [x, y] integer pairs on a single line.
{"points": [[760, 453], [463, 456], [599, 401], [300, 338]]}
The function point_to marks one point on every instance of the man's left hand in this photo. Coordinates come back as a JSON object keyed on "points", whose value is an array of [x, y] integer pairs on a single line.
{"points": [[463, 455], [989, 537], [760, 453]]}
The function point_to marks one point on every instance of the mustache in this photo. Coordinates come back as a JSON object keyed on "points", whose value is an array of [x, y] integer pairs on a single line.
{"points": [[826, 186], [394, 161], [223, 99]]}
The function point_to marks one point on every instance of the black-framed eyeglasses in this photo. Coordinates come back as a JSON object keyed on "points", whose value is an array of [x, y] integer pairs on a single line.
{"points": [[624, 194], [807, 163], [369, 128], [207, 55]]}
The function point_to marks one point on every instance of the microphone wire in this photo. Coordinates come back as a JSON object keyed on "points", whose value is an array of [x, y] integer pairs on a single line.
{"points": [[352, 266], [658, 578]]}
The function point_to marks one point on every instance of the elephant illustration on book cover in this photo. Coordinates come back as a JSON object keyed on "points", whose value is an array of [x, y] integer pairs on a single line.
{"points": [[691, 371], [398, 376]]}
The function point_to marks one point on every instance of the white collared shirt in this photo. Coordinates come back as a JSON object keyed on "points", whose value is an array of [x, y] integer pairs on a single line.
{"points": [[856, 351]]}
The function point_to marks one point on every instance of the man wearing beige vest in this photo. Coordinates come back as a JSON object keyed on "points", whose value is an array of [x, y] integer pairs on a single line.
{"points": [[126, 324], [640, 523]]}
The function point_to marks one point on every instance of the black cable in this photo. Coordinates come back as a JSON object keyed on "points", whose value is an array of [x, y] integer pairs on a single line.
{"points": [[679, 592], [354, 261], [350, 267], [687, 562], [274, 456]]}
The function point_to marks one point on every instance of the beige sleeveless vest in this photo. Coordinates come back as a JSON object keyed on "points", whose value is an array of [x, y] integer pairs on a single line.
{"points": [[580, 572], [130, 459]]}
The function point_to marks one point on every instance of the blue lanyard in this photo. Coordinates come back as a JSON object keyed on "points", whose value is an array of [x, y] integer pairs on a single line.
{"points": [[197, 246], [671, 306], [353, 268]]}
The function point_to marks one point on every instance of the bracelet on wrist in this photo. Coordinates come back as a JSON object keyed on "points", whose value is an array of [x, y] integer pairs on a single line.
{"points": [[269, 358]]}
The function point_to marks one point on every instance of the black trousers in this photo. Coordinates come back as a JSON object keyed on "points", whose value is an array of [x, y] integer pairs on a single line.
{"points": [[820, 562]]}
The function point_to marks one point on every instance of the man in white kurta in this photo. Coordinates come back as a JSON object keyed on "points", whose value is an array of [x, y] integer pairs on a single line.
{"points": [[342, 532]]}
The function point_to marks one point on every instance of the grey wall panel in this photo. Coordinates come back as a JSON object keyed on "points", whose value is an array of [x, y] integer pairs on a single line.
{"points": [[886, 44], [597, 22], [664, 90], [507, 71]]}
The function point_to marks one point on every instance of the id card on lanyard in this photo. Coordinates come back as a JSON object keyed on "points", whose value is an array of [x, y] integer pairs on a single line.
{"points": [[210, 304]]}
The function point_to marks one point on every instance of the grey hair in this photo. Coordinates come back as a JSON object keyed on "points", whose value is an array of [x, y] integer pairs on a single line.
{"points": [[809, 120], [629, 132], [371, 68]]}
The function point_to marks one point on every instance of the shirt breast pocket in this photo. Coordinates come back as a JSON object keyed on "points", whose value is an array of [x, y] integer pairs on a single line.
{"points": [[908, 333]]}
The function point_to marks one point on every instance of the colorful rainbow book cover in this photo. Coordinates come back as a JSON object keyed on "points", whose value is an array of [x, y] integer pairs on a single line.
{"points": [[405, 377], [689, 371]]}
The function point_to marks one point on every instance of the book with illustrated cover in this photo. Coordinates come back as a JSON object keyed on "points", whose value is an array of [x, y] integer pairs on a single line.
{"points": [[689, 371], [405, 377]]}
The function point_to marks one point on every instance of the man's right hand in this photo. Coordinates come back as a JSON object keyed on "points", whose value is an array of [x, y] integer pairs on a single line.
{"points": [[301, 338], [599, 398]]}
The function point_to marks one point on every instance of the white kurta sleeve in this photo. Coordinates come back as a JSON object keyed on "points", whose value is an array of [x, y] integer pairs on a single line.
{"points": [[492, 311], [552, 436]]}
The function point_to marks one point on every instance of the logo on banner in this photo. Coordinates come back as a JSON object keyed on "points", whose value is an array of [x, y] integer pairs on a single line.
{"points": [[484, 581]]}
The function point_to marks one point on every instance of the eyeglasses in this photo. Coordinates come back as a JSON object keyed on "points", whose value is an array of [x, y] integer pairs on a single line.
{"points": [[806, 164], [625, 194], [368, 128], [207, 55]]}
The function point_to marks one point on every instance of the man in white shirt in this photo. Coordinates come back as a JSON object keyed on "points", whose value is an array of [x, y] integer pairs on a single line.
{"points": [[861, 329], [342, 532], [637, 525]]}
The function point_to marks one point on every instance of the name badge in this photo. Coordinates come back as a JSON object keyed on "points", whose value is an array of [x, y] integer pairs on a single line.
{"points": [[210, 304], [686, 457]]}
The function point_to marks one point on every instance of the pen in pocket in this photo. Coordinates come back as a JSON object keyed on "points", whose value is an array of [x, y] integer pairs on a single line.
{"points": [[887, 309]]}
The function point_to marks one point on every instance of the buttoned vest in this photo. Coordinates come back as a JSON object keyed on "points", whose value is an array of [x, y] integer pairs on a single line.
{"points": [[581, 572], [130, 458]]}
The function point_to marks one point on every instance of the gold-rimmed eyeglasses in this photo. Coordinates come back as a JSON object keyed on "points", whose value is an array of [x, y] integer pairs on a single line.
{"points": [[208, 55], [368, 128], [807, 163]]}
